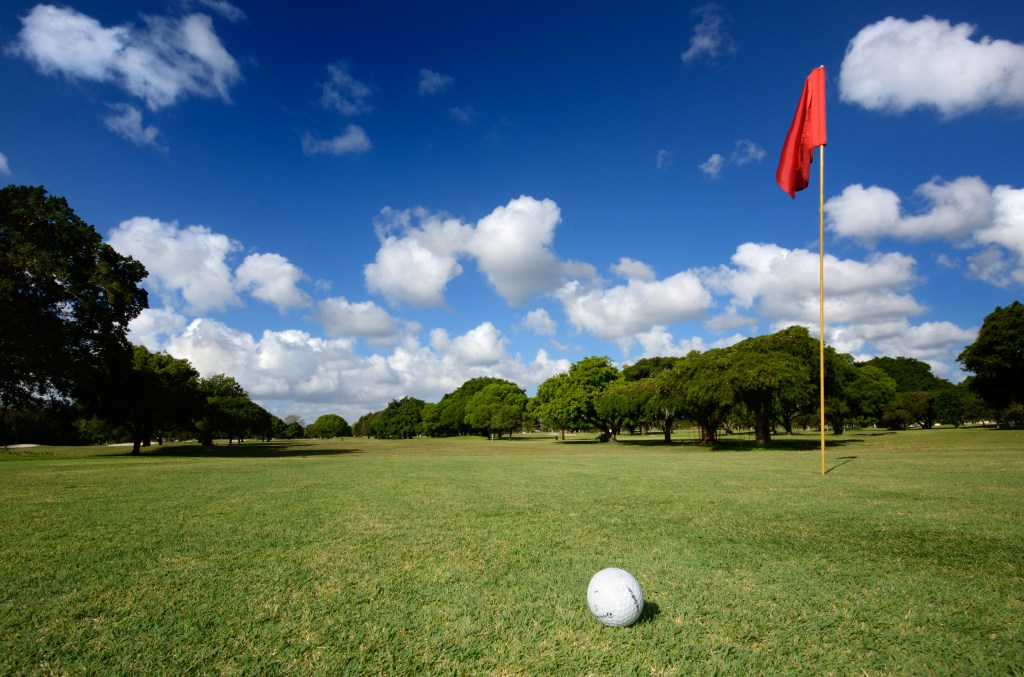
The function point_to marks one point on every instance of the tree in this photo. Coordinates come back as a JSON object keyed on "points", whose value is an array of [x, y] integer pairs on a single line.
{"points": [[767, 369], [400, 420], [328, 426], [69, 295], [497, 408], [556, 404], [997, 357], [448, 417], [870, 393], [228, 411], [160, 393], [701, 385], [655, 401], [588, 378]]}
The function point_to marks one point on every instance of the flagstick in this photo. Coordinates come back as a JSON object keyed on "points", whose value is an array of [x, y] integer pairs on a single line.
{"points": [[821, 297]]}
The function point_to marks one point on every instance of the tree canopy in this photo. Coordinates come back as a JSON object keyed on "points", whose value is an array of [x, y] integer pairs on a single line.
{"points": [[997, 357], [70, 296]]}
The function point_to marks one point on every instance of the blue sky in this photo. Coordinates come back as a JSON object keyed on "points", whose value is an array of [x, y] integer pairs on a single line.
{"points": [[345, 205]]}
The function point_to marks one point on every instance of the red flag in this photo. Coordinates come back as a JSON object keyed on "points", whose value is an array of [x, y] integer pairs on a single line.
{"points": [[805, 134]]}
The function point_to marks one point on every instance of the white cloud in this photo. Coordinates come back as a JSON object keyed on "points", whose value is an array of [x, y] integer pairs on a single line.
{"points": [[965, 211], [956, 209], [161, 63], [481, 346], [620, 313], [415, 266], [710, 37], [512, 246], [631, 269], [867, 303], [187, 261], [432, 82], [127, 121], [663, 160], [420, 253], [781, 285], [713, 165], [302, 373], [274, 279], [539, 322], [343, 92], [353, 141], [4, 167], [365, 319], [154, 326], [896, 65], [1006, 230]]}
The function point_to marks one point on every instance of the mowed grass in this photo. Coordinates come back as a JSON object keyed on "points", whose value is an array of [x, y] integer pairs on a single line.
{"points": [[472, 557]]}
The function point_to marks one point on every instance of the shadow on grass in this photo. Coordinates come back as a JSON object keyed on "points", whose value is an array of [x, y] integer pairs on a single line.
{"points": [[650, 612], [778, 443], [844, 459], [261, 450]]}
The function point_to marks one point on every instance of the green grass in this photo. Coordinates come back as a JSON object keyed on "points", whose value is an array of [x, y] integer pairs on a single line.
{"points": [[472, 557]]}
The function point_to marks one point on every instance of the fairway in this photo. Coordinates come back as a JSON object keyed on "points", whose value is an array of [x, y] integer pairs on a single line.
{"points": [[463, 556]]}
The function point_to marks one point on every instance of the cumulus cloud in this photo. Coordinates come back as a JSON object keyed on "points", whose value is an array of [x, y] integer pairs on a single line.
{"points": [[352, 142], [190, 266], [966, 211], [710, 36], [313, 374], [895, 65], [161, 63], [512, 246], [432, 82], [366, 319], [956, 209], [539, 322], [155, 326], [415, 262], [781, 285], [188, 261], [619, 313], [274, 279], [343, 92], [4, 167], [126, 120], [867, 303]]}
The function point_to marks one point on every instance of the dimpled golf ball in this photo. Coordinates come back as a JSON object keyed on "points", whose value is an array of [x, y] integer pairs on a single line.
{"points": [[615, 597]]}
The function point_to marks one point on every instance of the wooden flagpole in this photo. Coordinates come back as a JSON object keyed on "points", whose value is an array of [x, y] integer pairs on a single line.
{"points": [[821, 297]]}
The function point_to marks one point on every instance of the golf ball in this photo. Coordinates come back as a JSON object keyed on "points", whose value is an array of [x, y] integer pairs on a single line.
{"points": [[615, 597]]}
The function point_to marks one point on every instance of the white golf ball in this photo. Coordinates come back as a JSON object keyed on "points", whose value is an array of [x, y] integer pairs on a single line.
{"points": [[615, 597]]}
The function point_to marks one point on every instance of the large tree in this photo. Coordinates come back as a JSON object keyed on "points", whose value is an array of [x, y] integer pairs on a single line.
{"points": [[497, 408], [161, 393], [328, 426], [997, 357], [66, 299], [767, 370]]}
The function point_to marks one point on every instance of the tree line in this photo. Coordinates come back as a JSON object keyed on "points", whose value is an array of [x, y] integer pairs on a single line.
{"points": [[766, 384]]}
